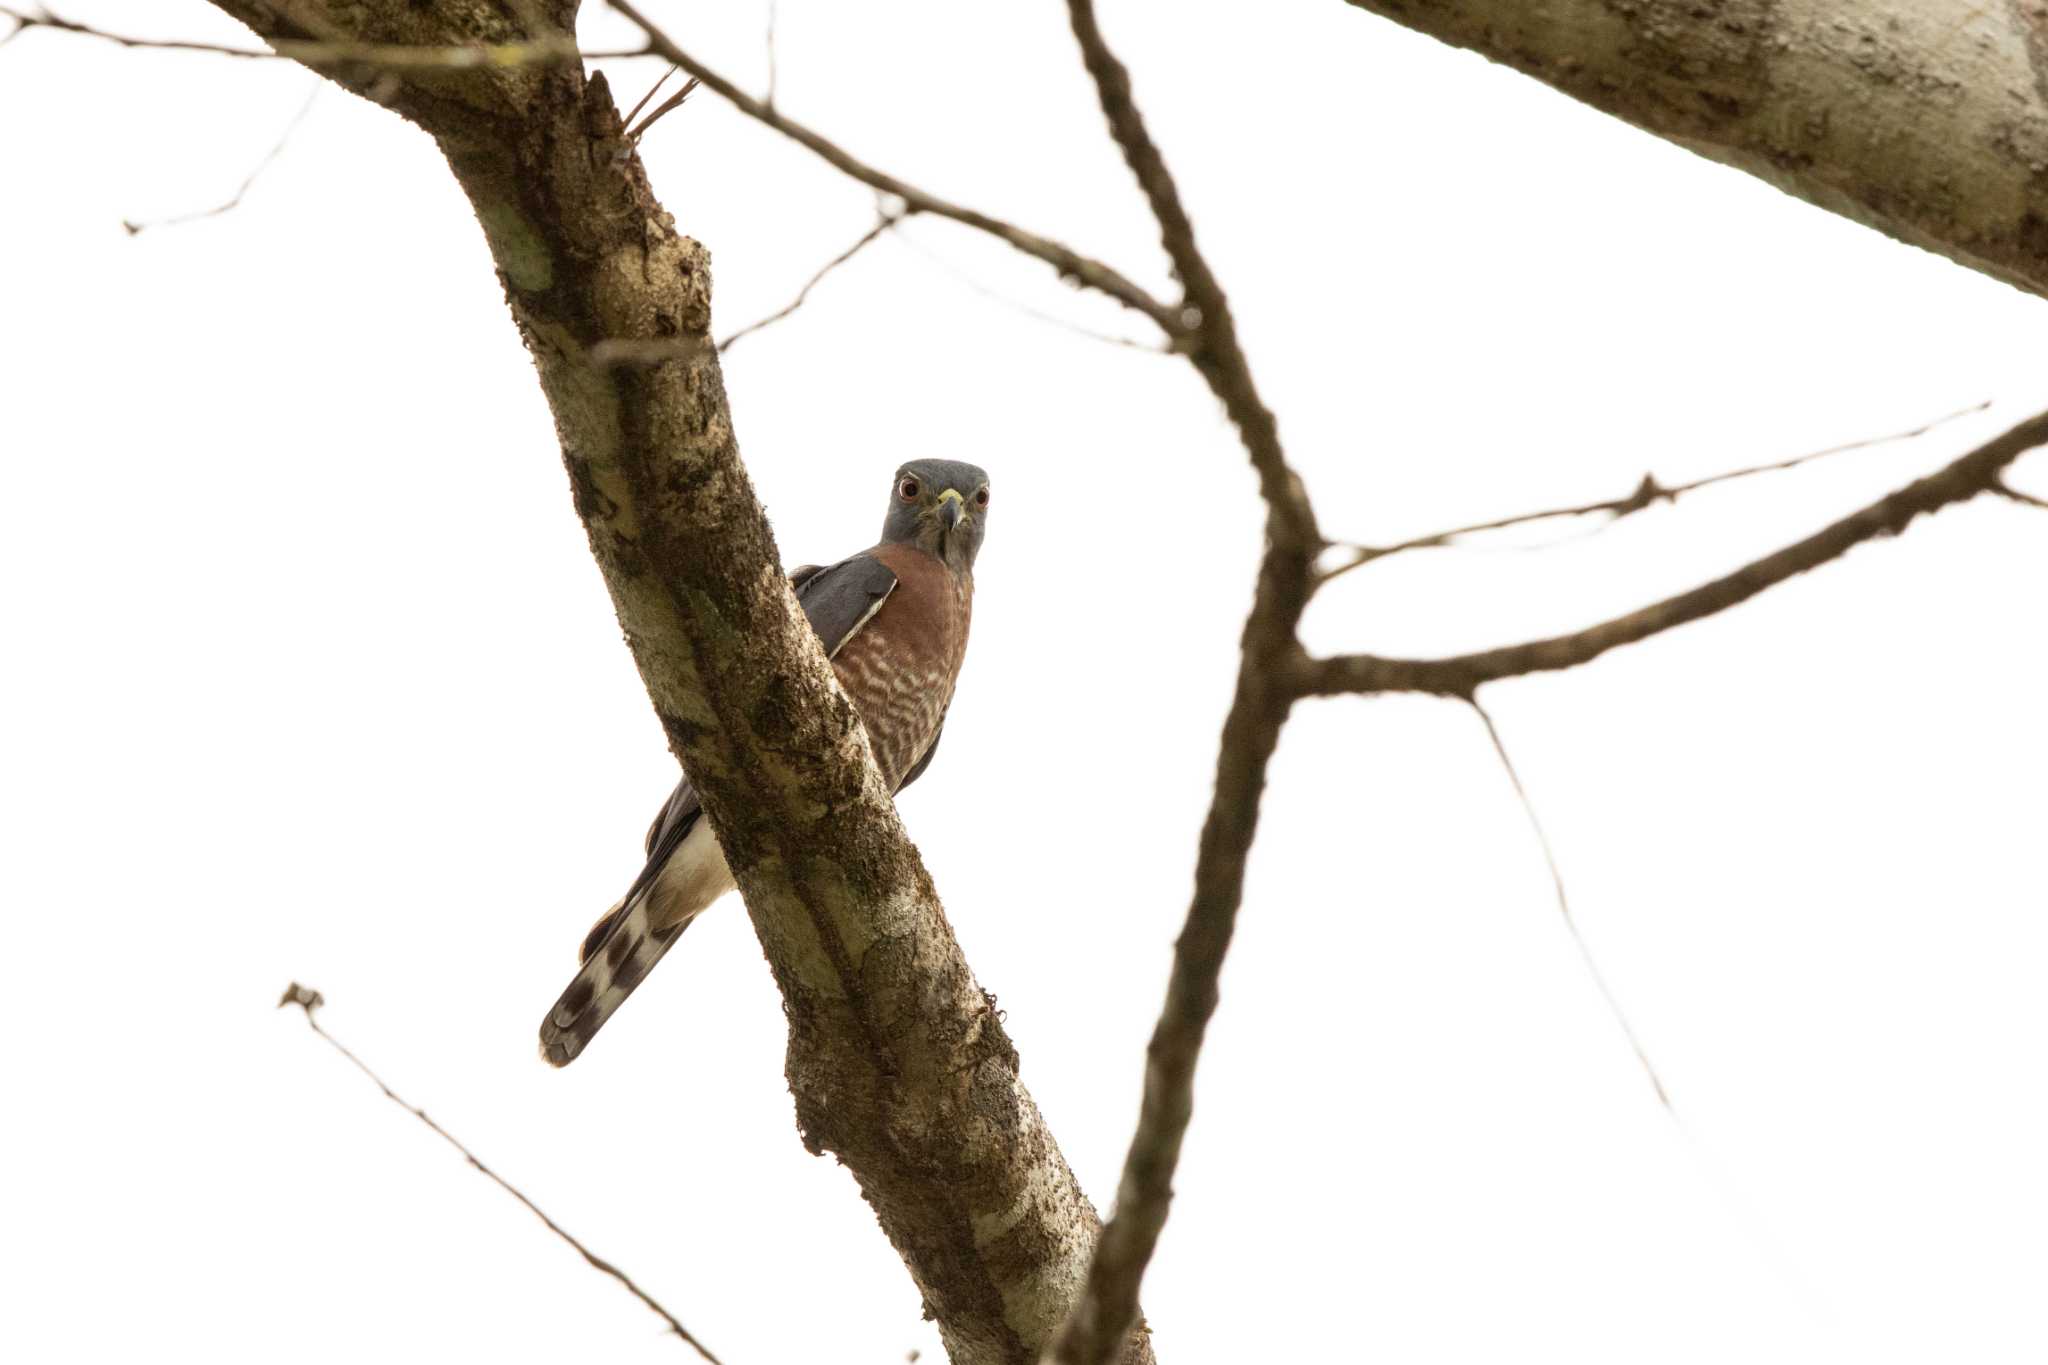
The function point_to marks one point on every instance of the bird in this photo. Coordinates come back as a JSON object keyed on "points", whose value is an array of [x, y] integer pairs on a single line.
{"points": [[893, 620]]}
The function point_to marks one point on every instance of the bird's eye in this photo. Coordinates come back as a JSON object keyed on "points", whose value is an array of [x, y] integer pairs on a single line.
{"points": [[981, 498], [907, 490]]}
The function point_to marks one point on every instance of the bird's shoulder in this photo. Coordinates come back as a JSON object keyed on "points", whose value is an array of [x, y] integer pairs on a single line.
{"points": [[838, 599]]}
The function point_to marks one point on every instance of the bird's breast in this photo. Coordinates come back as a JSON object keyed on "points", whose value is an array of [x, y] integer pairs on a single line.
{"points": [[900, 669]]}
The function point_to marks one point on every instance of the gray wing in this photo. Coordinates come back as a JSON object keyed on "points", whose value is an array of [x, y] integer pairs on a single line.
{"points": [[841, 598]]}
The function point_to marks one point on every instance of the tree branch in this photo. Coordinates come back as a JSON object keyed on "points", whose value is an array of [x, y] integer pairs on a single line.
{"points": [[308, 999], [1976, 472], [1647, 494], [1068, 262], [1927, 121], [1100, 1324]]}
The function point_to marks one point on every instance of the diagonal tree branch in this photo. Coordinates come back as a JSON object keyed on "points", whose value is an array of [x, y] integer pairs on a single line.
{"points": [[308, 999], [1926, 120], [1070, 263], [1977, 472], [1646, 494]]}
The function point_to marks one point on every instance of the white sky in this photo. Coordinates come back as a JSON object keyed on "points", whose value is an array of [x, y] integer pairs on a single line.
{"points": [[310, 676]]}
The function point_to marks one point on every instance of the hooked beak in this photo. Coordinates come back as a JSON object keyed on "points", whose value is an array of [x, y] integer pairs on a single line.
{"points": [[952, 509]]}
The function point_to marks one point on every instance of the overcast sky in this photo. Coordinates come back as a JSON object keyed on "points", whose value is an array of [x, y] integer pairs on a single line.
{"points": [[310, 676]]}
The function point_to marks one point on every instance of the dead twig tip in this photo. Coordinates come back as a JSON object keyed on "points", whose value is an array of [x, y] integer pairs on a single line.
{"points": [[305, 997]]}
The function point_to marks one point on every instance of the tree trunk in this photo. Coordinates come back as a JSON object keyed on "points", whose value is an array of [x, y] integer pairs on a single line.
{"points": [[1925, 119], [897, 1061]]}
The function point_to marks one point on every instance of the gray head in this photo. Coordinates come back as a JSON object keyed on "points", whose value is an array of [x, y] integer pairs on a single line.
{"points": [[940, 506]]}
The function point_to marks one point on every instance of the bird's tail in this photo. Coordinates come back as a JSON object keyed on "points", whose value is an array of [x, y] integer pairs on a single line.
{"points": [[620, 950]]}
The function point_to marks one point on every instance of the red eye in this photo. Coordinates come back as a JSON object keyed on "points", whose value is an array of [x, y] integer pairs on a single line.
{"points": [[981, 498], [908, 490]]}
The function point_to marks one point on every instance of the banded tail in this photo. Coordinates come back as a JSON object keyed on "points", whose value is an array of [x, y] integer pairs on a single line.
{"points": [[617, 955]]}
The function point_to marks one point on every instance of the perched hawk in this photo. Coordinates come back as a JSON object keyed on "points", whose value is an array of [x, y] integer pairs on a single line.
{"points": [[893, 620]]}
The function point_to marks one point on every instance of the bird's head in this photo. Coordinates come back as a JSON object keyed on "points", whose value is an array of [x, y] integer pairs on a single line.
{"points": [[940, 506]]}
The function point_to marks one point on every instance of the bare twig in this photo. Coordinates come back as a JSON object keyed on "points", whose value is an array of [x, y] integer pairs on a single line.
{"points": [[1647, 493], [1564, 908], [883, 223], [1070, 263], [310, 1000], [1977, 472], [2006, 490], [1017, 305], [672, 102], [543, 51], [652, 91], [769, 99], [233, 201]]}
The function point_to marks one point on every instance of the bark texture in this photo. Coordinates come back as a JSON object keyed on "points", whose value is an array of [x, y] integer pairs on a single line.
{"points": [[1926, 119], [897, 1061]]}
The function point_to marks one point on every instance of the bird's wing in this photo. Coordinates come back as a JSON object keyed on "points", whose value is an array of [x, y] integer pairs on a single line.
{"points": [[841, 598]]}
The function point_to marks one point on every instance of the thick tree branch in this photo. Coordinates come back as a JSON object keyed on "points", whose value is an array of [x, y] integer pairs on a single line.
{"points": [[1977, 472], [1925, 119], [1099, 1327], [1646, 494], [1068, 262], [898, 1063], [308, 999]]}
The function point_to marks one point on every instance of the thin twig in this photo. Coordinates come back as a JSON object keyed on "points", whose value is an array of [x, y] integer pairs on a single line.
{"points": [[309, 1000], [391, 56], [1646, 494], [883, 223], [2006, 490], [1977, 472], [234, 201], [1564, 908], [652, 90], [769, 99], [672, 102], [1070, 263], [1019, 306]]}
